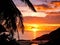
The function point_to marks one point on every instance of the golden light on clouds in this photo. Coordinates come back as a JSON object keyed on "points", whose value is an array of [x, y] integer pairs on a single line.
{"points": [[33, 27], [35, 14], [41, 27], [50, 7], [39, 14]]}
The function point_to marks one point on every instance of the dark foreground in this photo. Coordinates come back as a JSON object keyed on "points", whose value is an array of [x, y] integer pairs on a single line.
{"points": [[52, 38]]}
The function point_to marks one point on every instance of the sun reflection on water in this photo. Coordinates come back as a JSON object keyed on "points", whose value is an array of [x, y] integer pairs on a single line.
{"points": [[34, 34], [34, 29]]}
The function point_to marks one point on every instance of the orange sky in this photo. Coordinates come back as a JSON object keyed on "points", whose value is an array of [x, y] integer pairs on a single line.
{"points": [[41, 27], [41, 21], [49, 19], [45, 15]]}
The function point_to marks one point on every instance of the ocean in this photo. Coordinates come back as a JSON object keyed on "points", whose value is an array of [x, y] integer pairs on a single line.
{"points": [[29, 35]]}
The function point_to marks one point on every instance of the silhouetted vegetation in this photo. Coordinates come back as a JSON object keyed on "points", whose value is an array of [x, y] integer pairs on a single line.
{"points": [[5, 39], [8, 16], [54, 38], [2, 29], [43, 37], [29, 4], [9, 12]]}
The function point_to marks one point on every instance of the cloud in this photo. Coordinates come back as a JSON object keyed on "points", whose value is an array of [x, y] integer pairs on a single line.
{"points": [[19, 3], [38, 2], [49, 19], [35, 2]]}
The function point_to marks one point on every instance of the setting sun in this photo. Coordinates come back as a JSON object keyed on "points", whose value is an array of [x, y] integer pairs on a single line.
{"points": [[32, 27], [41, 27]]}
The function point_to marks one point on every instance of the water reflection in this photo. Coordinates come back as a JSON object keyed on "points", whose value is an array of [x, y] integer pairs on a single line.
{"points": [[34, 44], [29, 35], [34, 34]]}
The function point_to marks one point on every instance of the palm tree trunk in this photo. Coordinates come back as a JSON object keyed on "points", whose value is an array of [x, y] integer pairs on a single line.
{"points": [[18, 35]]}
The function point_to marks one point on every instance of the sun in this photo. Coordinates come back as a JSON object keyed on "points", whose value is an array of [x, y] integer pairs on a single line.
{"points": [[34, 29]]}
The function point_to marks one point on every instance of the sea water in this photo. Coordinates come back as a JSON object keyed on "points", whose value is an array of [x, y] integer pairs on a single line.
{"points": [[34, 44]]}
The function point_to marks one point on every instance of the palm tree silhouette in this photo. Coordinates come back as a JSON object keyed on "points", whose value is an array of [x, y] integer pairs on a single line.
{"points": [[9, 12]]}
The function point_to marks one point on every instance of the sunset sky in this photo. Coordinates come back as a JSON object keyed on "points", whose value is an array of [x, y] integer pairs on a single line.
{"points": [[41, 17], [47, 18]]}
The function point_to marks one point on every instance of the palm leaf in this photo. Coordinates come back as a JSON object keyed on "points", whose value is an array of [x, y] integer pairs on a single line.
{"points": [[9, 12], [29, 4]]}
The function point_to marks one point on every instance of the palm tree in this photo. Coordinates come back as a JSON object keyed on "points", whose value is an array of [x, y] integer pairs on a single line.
{"points": [[9, 13], [29, 4]]}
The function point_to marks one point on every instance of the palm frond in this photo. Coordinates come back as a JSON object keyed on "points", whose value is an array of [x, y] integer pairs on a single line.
{"points": [[22, 0], [29, 4], [10, 12]]}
